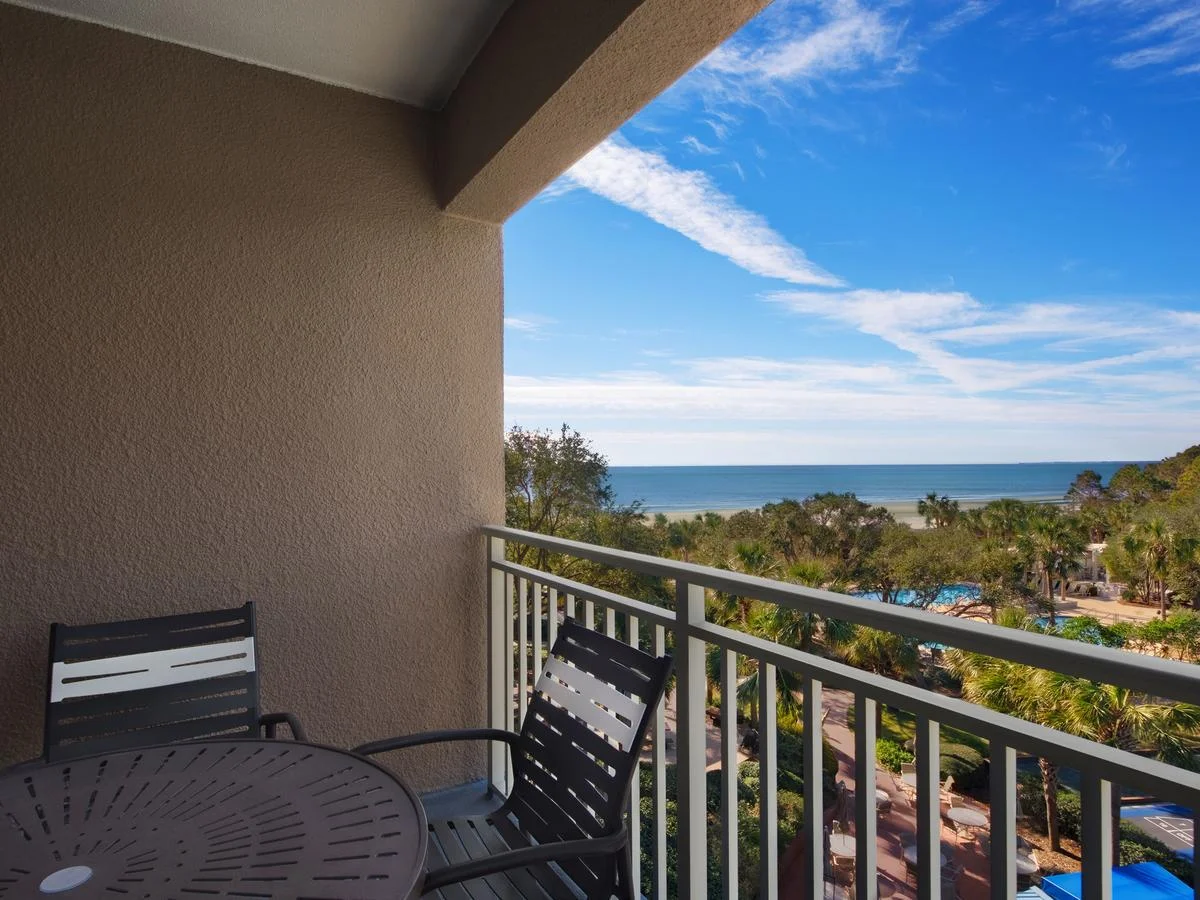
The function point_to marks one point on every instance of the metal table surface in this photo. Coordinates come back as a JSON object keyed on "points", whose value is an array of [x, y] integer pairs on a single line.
{"points": [[244, 818]]}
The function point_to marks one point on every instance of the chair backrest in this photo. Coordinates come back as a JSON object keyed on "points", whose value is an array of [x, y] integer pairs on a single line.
{"points": [[583, 730], [121, 685], [908, 768], [948, 784]]}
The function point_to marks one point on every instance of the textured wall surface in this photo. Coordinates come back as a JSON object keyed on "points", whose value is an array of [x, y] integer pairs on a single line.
{"points": [[242, 356]]}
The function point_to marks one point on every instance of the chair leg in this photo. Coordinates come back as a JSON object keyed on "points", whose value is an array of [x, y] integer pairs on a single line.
{"points": [[626, 890]]}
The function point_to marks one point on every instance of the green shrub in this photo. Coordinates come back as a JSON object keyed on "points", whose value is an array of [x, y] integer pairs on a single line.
{"points": [[965, 765], [891, 755], [1137, 846]]}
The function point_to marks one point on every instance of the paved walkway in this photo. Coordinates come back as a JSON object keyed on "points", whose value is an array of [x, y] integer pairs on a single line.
{"points": [[900, 822]]}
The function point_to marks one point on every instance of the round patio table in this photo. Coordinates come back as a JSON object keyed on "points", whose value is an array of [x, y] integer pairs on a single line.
{"points": [[882, 797], [910, 856], [244, 818], [842, 845], [965, 815], [1026, 865]]}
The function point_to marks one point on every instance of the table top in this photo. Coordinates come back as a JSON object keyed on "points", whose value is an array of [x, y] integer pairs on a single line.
{"points": [[965, 815], [243, 818], [1026, 865], [909, 778], [842, 844], [910, 855], [882, 796]]}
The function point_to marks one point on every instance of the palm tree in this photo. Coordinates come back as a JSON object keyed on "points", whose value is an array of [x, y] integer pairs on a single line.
{"points": [[1156, 541], [1005, 519], [938, 511], [1129, 721], [1055, 543], [1017, 690], [884, 653]]}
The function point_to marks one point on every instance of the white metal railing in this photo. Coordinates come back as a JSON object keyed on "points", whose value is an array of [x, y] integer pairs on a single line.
{"points": [[525, 601]]}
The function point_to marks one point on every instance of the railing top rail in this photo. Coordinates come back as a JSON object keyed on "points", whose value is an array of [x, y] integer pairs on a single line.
{"points": [[645, 611], [1115, 765], [1157, 677]]}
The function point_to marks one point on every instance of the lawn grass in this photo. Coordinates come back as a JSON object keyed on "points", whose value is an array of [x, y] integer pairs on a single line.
{"points": [[901, 726]]}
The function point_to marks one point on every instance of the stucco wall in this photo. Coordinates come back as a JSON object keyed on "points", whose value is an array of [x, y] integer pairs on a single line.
{"points": [[242, 356]]}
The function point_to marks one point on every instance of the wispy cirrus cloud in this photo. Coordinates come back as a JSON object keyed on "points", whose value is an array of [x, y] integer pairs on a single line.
{"points": [[689, 203], [1149, 35], [529, 324], [935, 327], [961, 17]]}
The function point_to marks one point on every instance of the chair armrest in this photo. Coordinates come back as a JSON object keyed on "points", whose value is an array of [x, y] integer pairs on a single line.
{"points": [[436, 737], [271, 721], [526, 856]]}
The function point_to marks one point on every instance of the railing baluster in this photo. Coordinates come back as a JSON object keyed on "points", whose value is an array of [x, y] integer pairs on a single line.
{"points": [[690, 742], [635, 796], [509, 674], [1003, 820], [660, 781], [522, 648], [1095, 813], [569, 606], [866, 877], [929, 811], [610, 622], [768, 784], [729, 774], [499, 690], [553, 616], [814, 797], [536, 597], [589, 615]]}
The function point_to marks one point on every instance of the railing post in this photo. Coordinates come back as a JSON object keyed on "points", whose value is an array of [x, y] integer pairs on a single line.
{"points": [[499, 686], [768, 784], [929, 811], [690, 742], [1095, 813], [1003, 820], [729, 775], [866, 875], [814, 791]]}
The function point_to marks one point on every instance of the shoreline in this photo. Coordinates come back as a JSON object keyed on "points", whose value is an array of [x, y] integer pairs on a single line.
{"points": [[904, 511]]}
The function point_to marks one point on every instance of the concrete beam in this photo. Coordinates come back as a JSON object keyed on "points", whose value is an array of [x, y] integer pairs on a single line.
{"points": [[553, 80]]}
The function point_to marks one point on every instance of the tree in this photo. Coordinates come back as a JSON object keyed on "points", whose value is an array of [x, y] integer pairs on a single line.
{"points": [[1005, 519], [1088, 485], [1133, 484], [1054, 543], [552, 480], [884, 653], [938, 511]]}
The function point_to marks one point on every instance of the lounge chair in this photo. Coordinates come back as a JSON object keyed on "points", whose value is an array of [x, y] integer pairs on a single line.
{"points": [[561, 830]]}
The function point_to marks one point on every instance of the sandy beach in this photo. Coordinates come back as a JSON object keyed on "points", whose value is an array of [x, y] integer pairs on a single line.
{"points": [[905, 511]]}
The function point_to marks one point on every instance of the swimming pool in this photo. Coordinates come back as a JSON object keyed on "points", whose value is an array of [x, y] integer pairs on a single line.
{"points": [[948, 596]]}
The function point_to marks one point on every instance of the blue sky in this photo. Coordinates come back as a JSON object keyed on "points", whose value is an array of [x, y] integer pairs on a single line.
{"points": [[868, 233]]}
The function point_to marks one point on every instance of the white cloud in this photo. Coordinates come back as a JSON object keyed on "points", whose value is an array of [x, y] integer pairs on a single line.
{"points": [[851, 38], [697, 146], [1167, 31], [928, 325], [964, 15], [529, 324], [688, 202]]}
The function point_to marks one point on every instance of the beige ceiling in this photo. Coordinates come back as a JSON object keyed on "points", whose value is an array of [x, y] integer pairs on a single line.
{"points": [[414, 51]]}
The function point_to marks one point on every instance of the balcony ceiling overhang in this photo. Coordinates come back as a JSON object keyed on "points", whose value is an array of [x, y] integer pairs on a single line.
{"points": [[521, 89], [413, 51]]}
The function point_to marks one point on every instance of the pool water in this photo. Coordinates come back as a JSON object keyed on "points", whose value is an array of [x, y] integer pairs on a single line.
{"points": [[948, 596]]}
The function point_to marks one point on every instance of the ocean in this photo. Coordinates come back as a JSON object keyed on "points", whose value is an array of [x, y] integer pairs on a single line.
{"points": [[675, 488]]}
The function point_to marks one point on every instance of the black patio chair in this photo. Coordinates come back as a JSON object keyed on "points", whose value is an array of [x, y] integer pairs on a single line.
{"points": [[560, 832], [123, 685]]}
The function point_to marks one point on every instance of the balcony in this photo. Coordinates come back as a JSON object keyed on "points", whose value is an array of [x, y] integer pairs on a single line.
{"points": [[526, 605]]}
